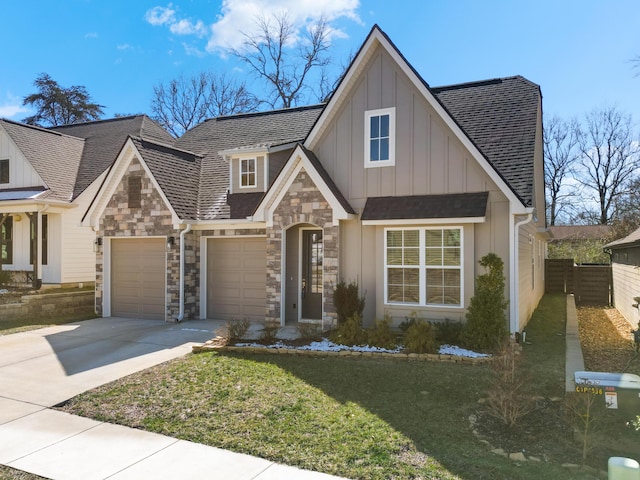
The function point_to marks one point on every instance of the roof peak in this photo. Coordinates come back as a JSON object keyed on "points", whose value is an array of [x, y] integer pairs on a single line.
{"points": [[265, 112], [102, 120]]}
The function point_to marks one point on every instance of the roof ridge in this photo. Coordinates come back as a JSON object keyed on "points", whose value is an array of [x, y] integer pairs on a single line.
{"points": [[266, 112], [488, 81], [102, 120], [165, 145], [39, 128]]}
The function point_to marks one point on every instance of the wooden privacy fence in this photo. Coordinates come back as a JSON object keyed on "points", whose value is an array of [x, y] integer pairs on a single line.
{"points": [[590, 284]]}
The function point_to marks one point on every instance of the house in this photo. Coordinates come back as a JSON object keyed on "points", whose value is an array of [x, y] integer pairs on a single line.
{"points": [[582, 243], [625, 266], [392, 183], [48, 178]]}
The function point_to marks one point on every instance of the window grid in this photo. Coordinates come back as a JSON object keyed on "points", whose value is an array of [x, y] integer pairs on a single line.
{"points": [[424, 266], [248, 172], [379, 137]]}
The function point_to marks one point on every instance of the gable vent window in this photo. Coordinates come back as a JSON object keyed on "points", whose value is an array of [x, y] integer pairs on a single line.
{"points": [[247, 172], [380, 138], [135, 191], [4, 170]]}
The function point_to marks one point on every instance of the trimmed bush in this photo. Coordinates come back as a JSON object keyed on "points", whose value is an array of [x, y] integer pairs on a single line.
{"points": [[349, 332], [420, 337], [449, 332], [381, 335], [347, 300], [486, 327]]}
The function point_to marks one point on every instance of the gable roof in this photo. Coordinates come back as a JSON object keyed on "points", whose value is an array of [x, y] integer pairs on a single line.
{"points": [[492, 144], [579, 232], [267, 129], [104, 139], [54, 156]]}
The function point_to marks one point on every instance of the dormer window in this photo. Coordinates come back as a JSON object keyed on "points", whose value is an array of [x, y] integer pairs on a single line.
{"points": [[4, 170], [247, 173], [380, 138]]}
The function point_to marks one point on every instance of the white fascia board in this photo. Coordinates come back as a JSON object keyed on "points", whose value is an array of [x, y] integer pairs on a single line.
{"points": [[23, 206], [243, 152], [378, 38], [226, 224], [282, 184], [119, 168], [426, 221]]}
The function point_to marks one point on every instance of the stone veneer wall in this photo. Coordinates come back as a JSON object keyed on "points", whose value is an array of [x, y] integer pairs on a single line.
{"points": [[153, 218], [303, 203]]}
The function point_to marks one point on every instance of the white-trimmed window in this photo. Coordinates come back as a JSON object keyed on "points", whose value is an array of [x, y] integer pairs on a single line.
{"points": [[247, 172], [423, 266], [380, 138]]}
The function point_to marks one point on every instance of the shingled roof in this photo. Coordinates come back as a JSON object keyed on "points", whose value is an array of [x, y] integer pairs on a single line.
{"points": [[104, 139], [500, 117], [453, 205], [55, 157], [273, 128]]}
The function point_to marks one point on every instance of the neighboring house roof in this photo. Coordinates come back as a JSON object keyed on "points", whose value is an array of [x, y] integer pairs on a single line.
{"points": [[104, 139], [500, 116], [579, 232], [54, 156], [631, 240], [176, 171], [267, 129], [459, 205]]}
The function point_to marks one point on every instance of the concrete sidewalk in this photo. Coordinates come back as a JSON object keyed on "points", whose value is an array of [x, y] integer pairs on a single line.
{"points": [[42, 368], [574, 361]]}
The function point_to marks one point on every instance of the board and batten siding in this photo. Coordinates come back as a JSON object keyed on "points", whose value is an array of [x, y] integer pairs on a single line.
{"points": [[531, 272], [429, 160], [21, 173]]}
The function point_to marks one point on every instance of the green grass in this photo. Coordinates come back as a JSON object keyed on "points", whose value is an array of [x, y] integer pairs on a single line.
{"points": [[361, 417]]}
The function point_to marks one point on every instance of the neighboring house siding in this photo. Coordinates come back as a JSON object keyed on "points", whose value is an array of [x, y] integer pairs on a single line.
{"points": [[626, 286], [21, 173], [78, 261], [531, 272]]}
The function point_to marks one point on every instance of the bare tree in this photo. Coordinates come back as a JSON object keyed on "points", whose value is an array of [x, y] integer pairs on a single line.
{"points": [[560, 156], [609, 158], [285, 63], [56, 105], [184, 102]]}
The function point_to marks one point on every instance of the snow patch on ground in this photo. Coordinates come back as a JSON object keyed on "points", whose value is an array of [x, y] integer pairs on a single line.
{"points": [[325, 345]]}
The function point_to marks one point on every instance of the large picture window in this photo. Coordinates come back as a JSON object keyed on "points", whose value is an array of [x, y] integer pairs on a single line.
{"points": [[380, 132], [423, 266]]}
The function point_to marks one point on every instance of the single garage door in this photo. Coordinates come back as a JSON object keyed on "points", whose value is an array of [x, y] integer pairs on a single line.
{"points": [[138, 278], [236, 278]]}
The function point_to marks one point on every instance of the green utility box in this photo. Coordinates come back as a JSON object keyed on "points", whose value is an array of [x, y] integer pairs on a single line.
{"points": [[620, 391]]}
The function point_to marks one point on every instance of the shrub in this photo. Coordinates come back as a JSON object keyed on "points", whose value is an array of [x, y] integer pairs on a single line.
{"points": [[269, 332], [5, 277], [350, 332], [486, 327], [408, 321], [420, 337], [237, 329], [449, 332], [508, 400], [381, 335], [347, 300]]}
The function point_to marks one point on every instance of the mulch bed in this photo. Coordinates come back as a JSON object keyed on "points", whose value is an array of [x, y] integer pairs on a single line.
{"points": [[607, 341]]}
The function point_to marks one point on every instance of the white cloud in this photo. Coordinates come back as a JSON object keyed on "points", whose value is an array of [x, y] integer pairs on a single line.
{"points": [[161, 15], [124, 46], [192, 51], [91, 35], [12, 107], [238, 18]]}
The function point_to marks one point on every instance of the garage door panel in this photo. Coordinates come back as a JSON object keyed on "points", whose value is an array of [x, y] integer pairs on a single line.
{"points": [[138, 276], [236, 280]]}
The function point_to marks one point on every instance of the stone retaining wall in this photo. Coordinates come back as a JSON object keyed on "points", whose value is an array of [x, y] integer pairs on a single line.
{"points": [[50, 305]]}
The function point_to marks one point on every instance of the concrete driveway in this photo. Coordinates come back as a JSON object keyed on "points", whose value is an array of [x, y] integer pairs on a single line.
{"points": [[47, 366]]}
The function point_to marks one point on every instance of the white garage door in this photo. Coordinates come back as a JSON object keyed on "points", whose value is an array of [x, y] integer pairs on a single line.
{"points": [[236, 278], [138, 275]]}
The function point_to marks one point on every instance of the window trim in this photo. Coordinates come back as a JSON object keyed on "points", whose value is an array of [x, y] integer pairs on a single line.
{"points": [[247, 172], [44, 234], [391, 161], [134, 191], [3, 169], [422, 267], [9, 241]]}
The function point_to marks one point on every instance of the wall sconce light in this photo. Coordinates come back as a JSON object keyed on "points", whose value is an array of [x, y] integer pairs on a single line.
{"points": [[171, 241], [17, 218], [97, 243]]}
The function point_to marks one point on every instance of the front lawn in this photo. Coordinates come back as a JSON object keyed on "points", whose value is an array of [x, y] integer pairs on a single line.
{"points": [[355, 417]]}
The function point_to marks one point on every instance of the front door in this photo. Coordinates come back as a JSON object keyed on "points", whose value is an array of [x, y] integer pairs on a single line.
{"points": [[311, 261]]}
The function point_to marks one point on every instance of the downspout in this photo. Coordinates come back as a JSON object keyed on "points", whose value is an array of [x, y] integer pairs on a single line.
{"points": [[515, 279], [182, 235]]}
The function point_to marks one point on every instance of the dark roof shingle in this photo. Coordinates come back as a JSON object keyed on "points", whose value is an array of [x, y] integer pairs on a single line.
{"points": [[413, 207]]}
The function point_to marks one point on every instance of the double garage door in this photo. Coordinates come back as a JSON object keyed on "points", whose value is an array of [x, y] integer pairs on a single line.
{"points": [[138, 276], [236, 278]]}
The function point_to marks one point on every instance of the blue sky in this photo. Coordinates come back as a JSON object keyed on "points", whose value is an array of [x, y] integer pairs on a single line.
{"points": [[578, 51]]}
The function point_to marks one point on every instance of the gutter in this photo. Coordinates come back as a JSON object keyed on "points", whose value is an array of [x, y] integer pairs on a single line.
{"points": [[515, 272], [182, 235]]}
